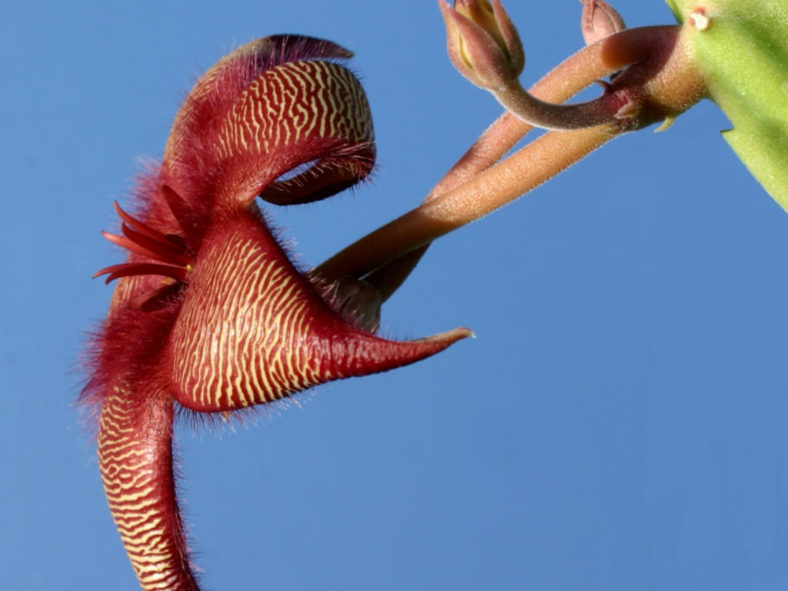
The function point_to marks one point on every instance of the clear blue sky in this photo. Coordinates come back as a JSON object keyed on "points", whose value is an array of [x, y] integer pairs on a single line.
{"points": [[620, 421]]}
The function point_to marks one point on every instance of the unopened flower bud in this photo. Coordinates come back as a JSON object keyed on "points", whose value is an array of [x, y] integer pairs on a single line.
{"points": [[599, 20], [483, 43]]}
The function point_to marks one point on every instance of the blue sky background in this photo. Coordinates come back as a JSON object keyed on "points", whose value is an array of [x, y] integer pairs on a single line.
{"points": [[620, 421]]}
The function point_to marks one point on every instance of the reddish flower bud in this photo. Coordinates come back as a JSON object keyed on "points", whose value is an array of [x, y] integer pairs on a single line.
{"points": [[483, 43], [599, 20]]}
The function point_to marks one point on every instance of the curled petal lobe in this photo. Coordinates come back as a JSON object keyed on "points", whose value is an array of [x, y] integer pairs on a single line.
{"points": [[282, 101]]}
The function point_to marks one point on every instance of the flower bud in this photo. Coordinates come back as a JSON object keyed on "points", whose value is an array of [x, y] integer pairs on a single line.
{"points": [[599, 20], [483, 43]]}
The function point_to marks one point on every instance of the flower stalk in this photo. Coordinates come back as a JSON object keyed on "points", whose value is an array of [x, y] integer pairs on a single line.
{"points": [[652, 80]]}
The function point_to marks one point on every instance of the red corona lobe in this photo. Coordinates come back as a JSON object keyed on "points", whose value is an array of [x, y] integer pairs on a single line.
{"points": [[209, 313]]}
